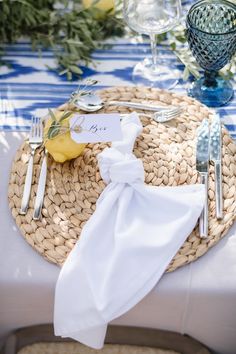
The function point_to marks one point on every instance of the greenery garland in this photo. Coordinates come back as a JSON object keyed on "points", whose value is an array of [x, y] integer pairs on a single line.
{"points": [[73, 32], [68, 29]]}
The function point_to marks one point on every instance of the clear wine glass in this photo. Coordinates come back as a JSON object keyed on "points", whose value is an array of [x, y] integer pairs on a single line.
{"points": [[152, 17]]}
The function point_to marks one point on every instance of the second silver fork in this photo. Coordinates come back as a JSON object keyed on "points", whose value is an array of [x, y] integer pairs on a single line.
{"points": [[164, 115], [35, 141]]}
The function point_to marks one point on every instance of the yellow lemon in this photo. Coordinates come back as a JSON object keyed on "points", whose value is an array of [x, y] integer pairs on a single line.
{"points": [[103, 5], [61, 147]]}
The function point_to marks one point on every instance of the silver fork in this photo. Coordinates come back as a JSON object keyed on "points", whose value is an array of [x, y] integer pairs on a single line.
{"points": [[35, 141], [165, 115]]}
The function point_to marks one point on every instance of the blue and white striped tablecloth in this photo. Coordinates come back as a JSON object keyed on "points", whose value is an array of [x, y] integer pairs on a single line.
{"points": [[29, 88]]}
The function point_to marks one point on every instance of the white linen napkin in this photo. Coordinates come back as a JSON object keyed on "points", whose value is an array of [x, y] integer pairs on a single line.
{"points": [[125, 246]]}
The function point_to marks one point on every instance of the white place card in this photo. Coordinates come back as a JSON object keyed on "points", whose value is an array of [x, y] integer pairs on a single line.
{"points": [[95, 128]]}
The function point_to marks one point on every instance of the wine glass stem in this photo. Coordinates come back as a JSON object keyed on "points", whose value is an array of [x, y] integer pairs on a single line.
{"points": [[154, 50], [210, 78]]}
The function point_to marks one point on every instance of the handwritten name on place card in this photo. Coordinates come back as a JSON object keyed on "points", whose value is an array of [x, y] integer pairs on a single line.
{"points": [[95, 128]]}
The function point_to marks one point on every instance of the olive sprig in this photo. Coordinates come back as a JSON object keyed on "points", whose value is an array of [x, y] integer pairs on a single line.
{"points": [[56, 128]]}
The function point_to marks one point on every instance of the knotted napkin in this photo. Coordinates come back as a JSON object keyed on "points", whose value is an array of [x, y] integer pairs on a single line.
{"points": [[125, 246]]}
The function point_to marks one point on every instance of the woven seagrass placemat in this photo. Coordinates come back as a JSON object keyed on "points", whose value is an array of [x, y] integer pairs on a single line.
{"points": [[168, 154], [77, 348]]}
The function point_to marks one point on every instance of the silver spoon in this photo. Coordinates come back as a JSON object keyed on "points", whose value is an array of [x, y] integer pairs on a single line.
{"points": [[92, 103]]}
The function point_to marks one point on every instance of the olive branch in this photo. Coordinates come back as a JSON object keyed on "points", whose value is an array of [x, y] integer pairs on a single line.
{"points": [[56, 128]]}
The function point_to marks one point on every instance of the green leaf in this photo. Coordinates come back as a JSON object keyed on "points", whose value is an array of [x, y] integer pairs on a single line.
{"points": [[52, 115], [65, 115], [75, 69], [181, 39], [186, 74], [53, 131], [63, 72]]}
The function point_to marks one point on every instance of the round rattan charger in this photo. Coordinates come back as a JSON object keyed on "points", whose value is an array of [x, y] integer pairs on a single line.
{"points": [[168, 154]]}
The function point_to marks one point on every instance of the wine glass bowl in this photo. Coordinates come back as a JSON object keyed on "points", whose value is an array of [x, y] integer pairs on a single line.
{"points": [[211, 34], [152, 17]]}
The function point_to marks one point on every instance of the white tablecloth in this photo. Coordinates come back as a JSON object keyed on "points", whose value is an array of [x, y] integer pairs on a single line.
{"points": [[198, 299]]}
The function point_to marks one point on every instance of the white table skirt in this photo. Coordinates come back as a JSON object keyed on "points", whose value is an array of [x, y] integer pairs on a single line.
{"points": [[198, 299]]}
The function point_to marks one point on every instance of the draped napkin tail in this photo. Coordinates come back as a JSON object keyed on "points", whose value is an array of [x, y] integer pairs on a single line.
{"points": [[125, 246]]}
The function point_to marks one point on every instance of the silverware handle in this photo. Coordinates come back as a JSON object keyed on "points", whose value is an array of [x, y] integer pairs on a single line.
{"points": [[203, 222], [41, 189], [27, 186], [218, 191], [136, 105]]}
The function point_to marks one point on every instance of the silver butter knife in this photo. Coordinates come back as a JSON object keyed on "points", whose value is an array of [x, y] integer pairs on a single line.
{"points": [[41, 189], [202, 160], [215, 157]]}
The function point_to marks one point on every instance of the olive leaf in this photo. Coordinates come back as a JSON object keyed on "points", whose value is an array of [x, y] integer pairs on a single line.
{"points": [[65, 115], [54, 130], [52, 115]]}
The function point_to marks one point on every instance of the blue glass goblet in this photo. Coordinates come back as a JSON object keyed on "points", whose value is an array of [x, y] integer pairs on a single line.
{"points": [[211, 34]]}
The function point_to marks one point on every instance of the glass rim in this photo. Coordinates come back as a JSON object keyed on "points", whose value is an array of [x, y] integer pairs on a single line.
{"points": [[197, 4]]}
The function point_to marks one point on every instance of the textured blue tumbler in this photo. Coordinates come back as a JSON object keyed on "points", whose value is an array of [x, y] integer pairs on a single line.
{"points": [[211, 34]]}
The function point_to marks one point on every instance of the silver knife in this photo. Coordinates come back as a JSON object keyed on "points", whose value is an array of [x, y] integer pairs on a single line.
{"points": [[41, 189], [202, 160], [215, 157]]}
